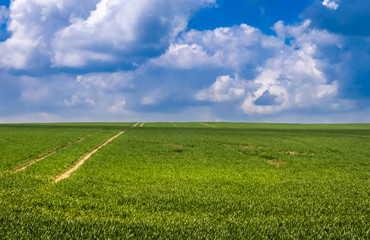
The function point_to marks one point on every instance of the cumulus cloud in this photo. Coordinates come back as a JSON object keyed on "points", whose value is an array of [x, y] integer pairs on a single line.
{"points": [[98, 90], [226, 47], [127, 31], [32, 25], [66, 33], [332, 4], [292, 78], [186, 56], [350, 21], [225, 88]]}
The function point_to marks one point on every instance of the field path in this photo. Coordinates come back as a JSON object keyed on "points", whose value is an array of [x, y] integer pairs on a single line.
{"points": [[142, 124], [48, 154], [208, 125], [82, 161], [136, 124]]}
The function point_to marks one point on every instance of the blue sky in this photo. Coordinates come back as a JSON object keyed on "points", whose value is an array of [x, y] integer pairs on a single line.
{"points": [[187, 60]]}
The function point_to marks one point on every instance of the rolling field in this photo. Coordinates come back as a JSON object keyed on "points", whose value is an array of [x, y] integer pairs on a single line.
{"points": [[185, 181]]}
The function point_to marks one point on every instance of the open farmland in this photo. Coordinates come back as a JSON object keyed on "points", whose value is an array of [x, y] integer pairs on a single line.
{"points": [[185, 180]]}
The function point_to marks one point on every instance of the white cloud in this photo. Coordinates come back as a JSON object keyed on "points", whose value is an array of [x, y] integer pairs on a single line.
{"points": [[186, 56], [119, 29], [303, 36], [68, 33], [32, 24], [223, 47], [292, 78], [98, 89], [118, 107], [103, 80], [75, 99], [332, 4], [224, 89]]}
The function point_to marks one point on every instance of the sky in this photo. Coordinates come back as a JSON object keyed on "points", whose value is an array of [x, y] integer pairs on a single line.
{"points": [[290, 61]]}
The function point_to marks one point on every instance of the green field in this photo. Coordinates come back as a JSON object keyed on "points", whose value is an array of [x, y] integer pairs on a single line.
{"points": [[186, 181]]}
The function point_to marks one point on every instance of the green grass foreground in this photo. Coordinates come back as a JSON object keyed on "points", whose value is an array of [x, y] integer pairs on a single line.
{"points": [[186, 181]]}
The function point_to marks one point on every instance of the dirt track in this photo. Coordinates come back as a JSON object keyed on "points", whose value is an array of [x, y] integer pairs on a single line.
{"points": [[208, 125], [82, 161], [47, 155]]}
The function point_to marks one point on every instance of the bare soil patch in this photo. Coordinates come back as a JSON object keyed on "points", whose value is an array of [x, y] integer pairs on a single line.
{"points": [[248, 146], [298, 153], [294, 153], [276, 163], [82, 161]]}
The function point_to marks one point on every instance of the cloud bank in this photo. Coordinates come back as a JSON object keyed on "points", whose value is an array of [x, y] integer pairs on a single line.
{"points": [[117, 60]]}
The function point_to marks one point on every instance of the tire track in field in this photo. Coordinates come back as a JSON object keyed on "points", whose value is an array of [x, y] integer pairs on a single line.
{"points": [[82, 161], [49, 154], [208, 125], [142, 124], [136, 124]]}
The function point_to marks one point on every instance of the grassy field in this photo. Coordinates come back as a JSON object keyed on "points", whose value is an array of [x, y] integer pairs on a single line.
{"points": [[186, 181]]}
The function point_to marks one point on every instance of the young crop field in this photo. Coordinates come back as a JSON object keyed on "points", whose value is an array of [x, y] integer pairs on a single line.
{"points": [[184, 181]]}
